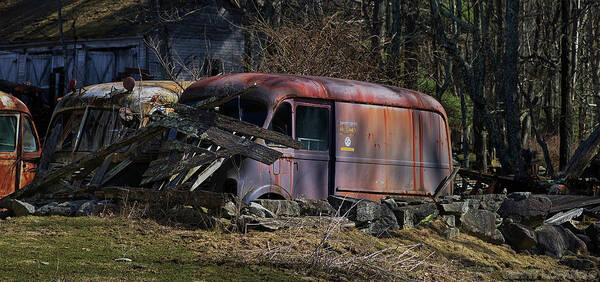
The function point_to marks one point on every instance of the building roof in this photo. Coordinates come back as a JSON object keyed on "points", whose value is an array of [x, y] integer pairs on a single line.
{"points": [[11, 103], [25, 21], [273, 88]]}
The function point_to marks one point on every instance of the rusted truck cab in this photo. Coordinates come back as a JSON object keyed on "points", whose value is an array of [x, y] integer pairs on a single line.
{"points": [[19, 145], [92, 117], [359, 139]]}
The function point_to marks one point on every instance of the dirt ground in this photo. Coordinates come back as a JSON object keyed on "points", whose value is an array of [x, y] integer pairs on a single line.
{"points": [[117, 248]]}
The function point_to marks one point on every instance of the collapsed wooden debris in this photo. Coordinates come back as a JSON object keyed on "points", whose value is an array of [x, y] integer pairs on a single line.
{"points": [[204, 141]]}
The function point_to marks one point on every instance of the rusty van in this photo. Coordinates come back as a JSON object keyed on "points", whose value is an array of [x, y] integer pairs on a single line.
{"points": [[19, 145], [87, 119], [359, 139]]}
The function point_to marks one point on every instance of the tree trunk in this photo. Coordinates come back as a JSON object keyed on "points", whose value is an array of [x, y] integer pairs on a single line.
{"points": [[566, 102], [511, 81]]}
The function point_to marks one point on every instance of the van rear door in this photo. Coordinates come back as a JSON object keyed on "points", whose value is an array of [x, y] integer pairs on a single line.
{"points": [[9, 124], [30, 151]]}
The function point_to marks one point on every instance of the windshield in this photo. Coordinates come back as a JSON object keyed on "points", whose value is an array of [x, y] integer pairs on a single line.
{"points": [[101, 128], [8, 133], [251, 111]]}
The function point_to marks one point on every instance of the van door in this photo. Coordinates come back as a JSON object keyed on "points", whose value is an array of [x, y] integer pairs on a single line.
{"points": [[30, 151], [311, 163], [9, 124]]}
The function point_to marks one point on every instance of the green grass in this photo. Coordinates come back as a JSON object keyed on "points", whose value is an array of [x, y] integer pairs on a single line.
{"points": [[85, 248]]}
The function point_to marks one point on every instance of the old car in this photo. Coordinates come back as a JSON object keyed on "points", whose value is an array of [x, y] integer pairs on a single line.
{"points": [[359, 139], [92, 117], [19, 145]]}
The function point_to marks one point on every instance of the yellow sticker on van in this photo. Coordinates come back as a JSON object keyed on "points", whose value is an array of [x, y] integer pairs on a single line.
{"points": [[347, 149]]}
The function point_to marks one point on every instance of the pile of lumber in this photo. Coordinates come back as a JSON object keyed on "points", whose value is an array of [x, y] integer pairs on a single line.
{"points": [[205, 140]]}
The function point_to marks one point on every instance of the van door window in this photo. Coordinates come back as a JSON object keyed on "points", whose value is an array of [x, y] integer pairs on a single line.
{"points": [[29, 143], [8, 133], [312, 127], [252, 111], [282, 120]]}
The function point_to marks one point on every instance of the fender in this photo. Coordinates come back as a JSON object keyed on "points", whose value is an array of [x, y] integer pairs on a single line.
{"points": [[256, 192]]}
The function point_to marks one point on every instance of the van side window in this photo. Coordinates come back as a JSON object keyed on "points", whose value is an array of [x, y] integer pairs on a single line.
{"points": [[8, 133], [312, 127], [29, 143], [282, 120]]}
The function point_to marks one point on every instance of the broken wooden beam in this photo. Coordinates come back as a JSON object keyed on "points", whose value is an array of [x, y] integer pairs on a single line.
{"points": [[582, 157], [197, 198], [243, 146]]}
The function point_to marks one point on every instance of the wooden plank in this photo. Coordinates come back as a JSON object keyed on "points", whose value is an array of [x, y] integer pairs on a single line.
{"points": [[88, 161], [198, 198], [583, 156], [569, 202], [215, 101], [207, 172], [176, 145], [97, 179], [234, 125], [238, 145], [184, 125], [169, 169], [115, 170], [245, 128]]}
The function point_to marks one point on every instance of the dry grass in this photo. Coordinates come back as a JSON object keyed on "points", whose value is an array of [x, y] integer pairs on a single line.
{"points": [[84, 248]]}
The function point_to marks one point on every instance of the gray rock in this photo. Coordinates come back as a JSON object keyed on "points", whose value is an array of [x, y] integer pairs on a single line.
{"points": [[281, 207], [519, 236], [358, 210], [260, 211], [473, 203], [404, 217], [482, 224], [86, 208], [452, 198], [455, 208], [449, 220], [390, 203], [53, 208], [555, 241], [593, 232], [229, 210], [451, 232], [104, 207], [315, 207], [17, 208], [490, 202], [422, 211], [497, 238], [519, 195], [578, 263], [386, 222], [530, 211], [345, 206]]}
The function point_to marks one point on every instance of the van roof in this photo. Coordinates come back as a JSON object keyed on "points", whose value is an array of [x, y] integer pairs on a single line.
{"points": [[11, 103], [273, 88], [114, 94]]}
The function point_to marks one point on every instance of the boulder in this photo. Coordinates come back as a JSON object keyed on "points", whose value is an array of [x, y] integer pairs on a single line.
{"points": [[404, 217], [519, 236], [259, 211], [87, 208], [421, 211], [490, 202], [578, 263], [482, 224], [451, 232], [53, 208], [519, 195], [358, 210], [17, 208], [384, 223], [229, 210], [593, 232], [455, 208], [281, 207], [312, 207], [530, 211], [449, 220], [555, 241]]}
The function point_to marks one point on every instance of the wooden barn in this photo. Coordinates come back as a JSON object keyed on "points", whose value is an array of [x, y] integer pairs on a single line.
{"points": [[106, 40]]}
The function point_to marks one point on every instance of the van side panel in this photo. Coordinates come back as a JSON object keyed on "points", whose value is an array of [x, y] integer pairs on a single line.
{"points": [[388, 150]]}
